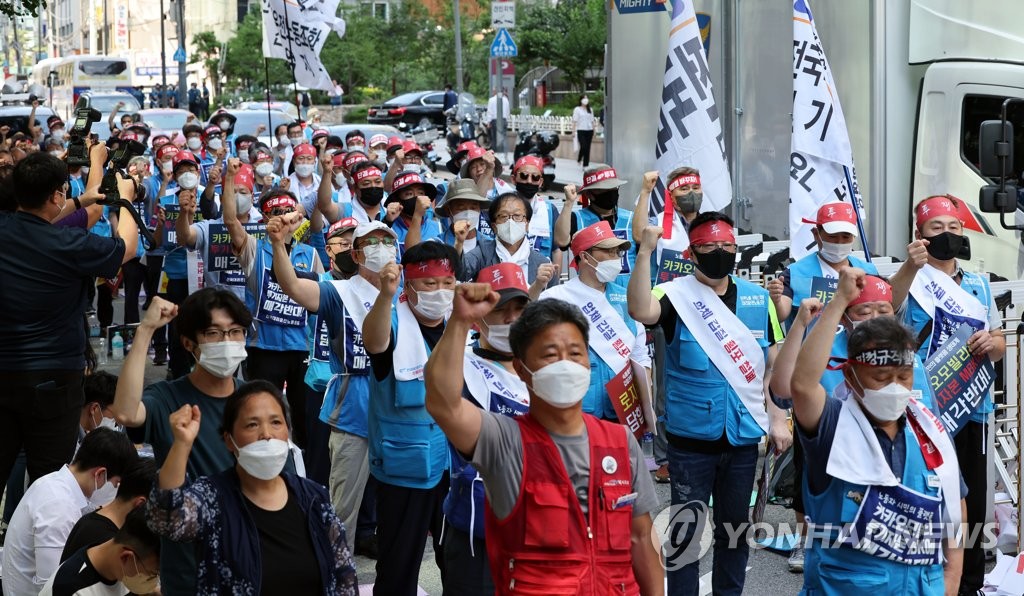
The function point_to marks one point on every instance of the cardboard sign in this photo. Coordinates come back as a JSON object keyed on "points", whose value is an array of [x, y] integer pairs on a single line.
{"points": [[625, 396], [824, 288], [673, 265], [959, 379]]}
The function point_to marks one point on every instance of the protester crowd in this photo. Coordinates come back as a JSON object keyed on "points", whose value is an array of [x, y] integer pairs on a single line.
{"points": [[360, 356]]}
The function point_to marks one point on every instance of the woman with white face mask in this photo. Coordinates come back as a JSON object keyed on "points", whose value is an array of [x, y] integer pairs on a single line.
{"points": [[523, 460], [509, 215], [873, 451], [599, 255], [253, 507]]}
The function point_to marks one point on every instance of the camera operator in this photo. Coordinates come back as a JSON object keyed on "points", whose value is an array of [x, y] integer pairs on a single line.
{"points": [[46, 271]]}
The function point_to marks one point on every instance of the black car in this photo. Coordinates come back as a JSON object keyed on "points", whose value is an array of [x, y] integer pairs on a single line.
{"points": [[419, 109]]}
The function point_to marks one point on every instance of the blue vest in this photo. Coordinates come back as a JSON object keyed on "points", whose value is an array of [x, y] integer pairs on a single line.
{"points": [[319, 370], [274, 336], [407, 448], [844, 570], [176, 257], [623, 229], [803, 272], [596, 401], [545, 245], [346, 399], [464, 504], [833, 378], [700, 403], [916, 318]]}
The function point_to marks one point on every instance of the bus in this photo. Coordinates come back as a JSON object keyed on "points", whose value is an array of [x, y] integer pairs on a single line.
{"points": [[79, 73]]}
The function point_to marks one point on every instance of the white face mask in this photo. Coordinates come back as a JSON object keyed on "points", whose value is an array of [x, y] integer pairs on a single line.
{"points": [[378, 255], [138, 583], [886, 404], [215, 144], [194, 143], [434, 305], [561, 384], [606, 271], [296, 141], [221, 359], [411, 167], [224, 124], [263, 459], [243, 202], [188, 180], [340, 180], [473, 217], [264, 169], [835, 253], [103, 495], [57, 133], [282, 140], [243, 155], [167, 166], [304, 169], [511, 232], [497, 337], [105, 422], [584, 101]]}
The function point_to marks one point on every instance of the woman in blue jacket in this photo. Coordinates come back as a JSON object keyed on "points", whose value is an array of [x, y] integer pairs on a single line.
{"points": [[260, 529]]}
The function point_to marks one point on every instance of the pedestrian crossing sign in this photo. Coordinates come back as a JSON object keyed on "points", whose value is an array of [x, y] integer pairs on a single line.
{"points": [[503, 46]]}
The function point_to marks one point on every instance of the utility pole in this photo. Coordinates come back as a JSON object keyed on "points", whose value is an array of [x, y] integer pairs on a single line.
{"points": [[182, 73], [458, 54], [106, 30], [163, 59]]}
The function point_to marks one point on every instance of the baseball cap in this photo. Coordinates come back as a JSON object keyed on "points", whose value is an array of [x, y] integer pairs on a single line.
{"points": [[377, 139], [341, 226], [394, 143], [410, 146], [599, 235], [168, 150], [184, 157], [601, 179], [836, 218], [212, 129], [365, 228], [507, 280], [474, 153], [408, 179]]}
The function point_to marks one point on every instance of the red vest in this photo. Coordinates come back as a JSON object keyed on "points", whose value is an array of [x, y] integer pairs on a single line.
{"points": [[545, 545]]}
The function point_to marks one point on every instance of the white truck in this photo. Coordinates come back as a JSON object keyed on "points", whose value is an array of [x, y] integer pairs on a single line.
{"points": [[916, 78]]}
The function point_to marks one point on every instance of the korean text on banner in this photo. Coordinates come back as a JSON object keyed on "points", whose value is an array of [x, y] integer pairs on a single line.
{"points": [[296, 31], [689, 129], [821, 143]]}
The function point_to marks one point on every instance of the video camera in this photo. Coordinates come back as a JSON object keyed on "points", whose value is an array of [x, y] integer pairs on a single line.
{"points": [[126, 150], [85, 116]]}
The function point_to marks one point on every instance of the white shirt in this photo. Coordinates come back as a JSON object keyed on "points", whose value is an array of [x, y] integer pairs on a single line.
{"points": [[492, 108], [38, 530], [583, 119]]}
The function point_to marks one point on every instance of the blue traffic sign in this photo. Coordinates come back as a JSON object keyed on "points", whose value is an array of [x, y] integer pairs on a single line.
{"points": [[179, 54], [503, 46]]}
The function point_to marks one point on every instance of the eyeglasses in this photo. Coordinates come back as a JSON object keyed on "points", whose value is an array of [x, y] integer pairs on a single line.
{"points": [[529, 177], [504, 217], [704, 249], [276, 211], [234, 334], [375, 241], [343, 244], [618, 252]]}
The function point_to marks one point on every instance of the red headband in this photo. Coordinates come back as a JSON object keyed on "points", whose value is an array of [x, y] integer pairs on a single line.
{"points": [[875, 289], [434, 268], [281, 201], [529, 160], [933, 207], [670, 206], [305, 149], [356, 140], [715, 231], [351, 160], [605, 174], [367, 173]]}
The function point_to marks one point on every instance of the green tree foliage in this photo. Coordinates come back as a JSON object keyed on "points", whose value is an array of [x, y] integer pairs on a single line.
{"points": [[570, 35], [207, 51], [21, 8]]}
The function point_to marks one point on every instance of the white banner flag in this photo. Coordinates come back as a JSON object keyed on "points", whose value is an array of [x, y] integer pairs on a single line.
{"points": [[296, 30], [689, 130], [820, 149]]}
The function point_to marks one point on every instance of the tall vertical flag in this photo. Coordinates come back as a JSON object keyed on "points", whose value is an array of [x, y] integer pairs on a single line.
{"points": [[296, 30], [689, 129], [821, 159]]}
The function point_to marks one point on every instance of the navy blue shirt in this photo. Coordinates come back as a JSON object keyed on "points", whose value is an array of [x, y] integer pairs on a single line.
{"points": [[46, 271], [818, 446]]}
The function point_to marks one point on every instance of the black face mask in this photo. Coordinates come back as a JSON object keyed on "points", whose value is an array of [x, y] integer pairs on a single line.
{"points": [[716, 264], [527, 190], [343, 262], [690, 201], [945, 246], [607, 199], [371, 195], [408, 206]]}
